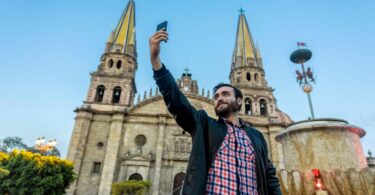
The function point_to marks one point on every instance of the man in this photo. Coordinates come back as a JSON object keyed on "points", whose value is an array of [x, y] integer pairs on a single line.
{"points": [[227, 156]]}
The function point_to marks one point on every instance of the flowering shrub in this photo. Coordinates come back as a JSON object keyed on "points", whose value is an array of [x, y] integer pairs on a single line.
{"points": [[3, 172], [29, 173], [131, 187]]}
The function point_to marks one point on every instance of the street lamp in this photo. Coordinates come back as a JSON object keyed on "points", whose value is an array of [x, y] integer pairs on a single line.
{"points": [[44, 148], [300, 56]]}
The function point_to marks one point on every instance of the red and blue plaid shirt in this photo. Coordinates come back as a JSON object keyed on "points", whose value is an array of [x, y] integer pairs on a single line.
{"points": [[233, 170]]}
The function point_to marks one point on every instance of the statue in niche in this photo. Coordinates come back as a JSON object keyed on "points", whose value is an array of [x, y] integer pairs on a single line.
{"points": [[182, 146], [139, 150], [176, 147]]}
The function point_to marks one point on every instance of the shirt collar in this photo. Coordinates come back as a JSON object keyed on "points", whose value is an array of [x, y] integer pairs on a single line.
{"points": [[242, 122]]}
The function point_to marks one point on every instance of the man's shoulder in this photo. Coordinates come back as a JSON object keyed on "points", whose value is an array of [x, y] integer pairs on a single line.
{"points": [[203, 114], [255, 131], [204, 117]]}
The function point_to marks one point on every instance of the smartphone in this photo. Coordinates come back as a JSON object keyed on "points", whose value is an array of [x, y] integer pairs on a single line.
{"points": [[162, 25]]}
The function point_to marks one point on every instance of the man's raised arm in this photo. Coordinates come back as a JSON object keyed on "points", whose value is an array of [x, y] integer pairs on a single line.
{"points": [[186, 116], [155, 48]]}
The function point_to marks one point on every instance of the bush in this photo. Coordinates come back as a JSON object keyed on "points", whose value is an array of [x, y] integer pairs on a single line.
{"points": [[131, 187], [30, 173], [3, 172]]}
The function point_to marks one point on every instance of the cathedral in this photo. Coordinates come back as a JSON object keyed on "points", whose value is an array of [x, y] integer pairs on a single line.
{"points": [[120, 136]]}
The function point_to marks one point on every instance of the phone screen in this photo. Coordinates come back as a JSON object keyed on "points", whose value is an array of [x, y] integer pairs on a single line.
{"points": [[162, 25]]}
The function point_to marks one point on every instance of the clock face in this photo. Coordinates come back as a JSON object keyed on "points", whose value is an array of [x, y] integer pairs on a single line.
{"points": [[186, 88]]}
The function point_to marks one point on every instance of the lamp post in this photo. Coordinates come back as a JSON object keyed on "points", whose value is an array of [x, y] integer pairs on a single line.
{"points": [[300, 56], [42, 147]]}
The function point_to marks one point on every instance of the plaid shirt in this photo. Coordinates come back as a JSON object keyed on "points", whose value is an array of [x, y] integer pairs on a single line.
{"points": [[233, 170]]}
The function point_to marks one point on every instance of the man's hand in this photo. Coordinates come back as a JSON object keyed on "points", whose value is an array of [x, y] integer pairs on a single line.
{"points": [[155, 47]]}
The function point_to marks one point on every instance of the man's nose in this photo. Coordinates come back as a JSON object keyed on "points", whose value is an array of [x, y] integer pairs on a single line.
{"points": [[220, 101]]}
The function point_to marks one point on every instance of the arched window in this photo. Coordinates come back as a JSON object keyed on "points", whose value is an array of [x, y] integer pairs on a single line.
{"points": [[248, 76], [110, 63], [116, 95], [248, 109], [136, 176], [99, 93], [118, 65], [177, 183], [256, 77], [263, 107]]}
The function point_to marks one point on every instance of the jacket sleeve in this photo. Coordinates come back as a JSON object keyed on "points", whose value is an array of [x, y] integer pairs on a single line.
{"points": [[273, 183], [272, 180], [177, 104]]}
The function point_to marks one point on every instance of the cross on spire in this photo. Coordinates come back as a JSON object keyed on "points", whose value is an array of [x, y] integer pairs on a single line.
{"points": [[241, 10], [186, 70]]}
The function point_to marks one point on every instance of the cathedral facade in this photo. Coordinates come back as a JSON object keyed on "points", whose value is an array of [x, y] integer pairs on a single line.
{"points": [[118, 137]]}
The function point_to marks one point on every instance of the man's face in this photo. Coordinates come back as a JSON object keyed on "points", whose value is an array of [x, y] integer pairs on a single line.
{"points": [[225, 101]]}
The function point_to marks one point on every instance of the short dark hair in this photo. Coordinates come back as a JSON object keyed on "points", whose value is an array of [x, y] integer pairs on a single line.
{"points": [[237, 92]]}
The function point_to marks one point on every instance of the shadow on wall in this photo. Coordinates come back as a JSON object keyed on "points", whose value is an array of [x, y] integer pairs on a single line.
{"points": [[334, 182]]}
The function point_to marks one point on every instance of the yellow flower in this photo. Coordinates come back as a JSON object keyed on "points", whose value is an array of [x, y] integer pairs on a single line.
{"points": [[38, 159], [3, 156]]}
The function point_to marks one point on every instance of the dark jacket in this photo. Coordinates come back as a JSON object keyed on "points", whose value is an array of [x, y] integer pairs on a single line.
{"points": [[207, 135]]}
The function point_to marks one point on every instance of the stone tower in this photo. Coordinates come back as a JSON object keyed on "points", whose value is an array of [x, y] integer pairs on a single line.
{"points": [[247, 74], [112, 85], [259, 106], [96, 135], [187, 84]]}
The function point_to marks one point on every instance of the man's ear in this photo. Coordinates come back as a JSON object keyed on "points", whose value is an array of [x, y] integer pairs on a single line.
{"points": [[239, 101]]}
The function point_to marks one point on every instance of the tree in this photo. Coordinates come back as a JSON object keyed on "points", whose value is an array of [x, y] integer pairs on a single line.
{"points": [[29, 173], [10, 143]]}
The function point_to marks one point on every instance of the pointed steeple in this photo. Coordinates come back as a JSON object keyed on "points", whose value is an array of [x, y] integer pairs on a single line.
{"points": [[124, 34], [245, 52], [118, 65], [247, 74]]}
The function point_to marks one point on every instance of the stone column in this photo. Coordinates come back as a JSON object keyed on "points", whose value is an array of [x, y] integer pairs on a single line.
{"points": [[159, 156], [111, 154], [78, 143]]}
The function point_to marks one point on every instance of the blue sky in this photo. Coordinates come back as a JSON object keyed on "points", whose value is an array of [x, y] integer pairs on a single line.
{"points": [[48, 49]]}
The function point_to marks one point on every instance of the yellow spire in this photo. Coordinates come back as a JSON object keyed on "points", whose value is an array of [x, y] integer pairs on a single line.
{"points": [[124, 34], [244, 46]]}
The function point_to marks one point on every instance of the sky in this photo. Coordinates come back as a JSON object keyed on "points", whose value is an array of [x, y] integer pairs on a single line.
{"points": [[48, 49]]}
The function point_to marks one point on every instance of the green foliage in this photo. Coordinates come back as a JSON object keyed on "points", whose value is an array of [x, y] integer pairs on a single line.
{"points": [[11, 143], [31, 173], [3, 172], [131, 187]]}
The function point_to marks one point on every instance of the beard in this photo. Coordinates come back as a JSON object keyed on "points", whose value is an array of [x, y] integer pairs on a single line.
{"points": [[230, 108]]}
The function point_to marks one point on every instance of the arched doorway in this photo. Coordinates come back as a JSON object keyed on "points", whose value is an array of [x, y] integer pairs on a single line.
{"points": [[136, 176], [177, 183]]}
